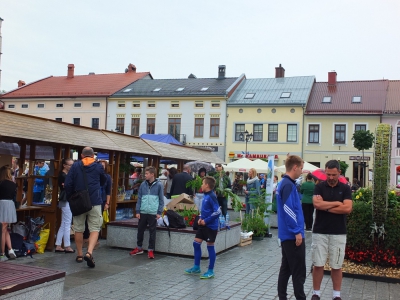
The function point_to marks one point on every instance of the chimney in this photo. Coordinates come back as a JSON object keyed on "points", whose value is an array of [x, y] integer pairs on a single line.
{"points": [[131, 69], [279, 72], [71, 68], [21, 83], [332, 78], [221, 71]]}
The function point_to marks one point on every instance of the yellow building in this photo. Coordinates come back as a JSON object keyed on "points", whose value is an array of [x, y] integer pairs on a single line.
{"points": [[271, 110], [335, 110]]}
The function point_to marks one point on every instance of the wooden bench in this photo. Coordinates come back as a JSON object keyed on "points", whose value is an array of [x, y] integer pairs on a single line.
{"points": [[19, 281], [123, 234]]}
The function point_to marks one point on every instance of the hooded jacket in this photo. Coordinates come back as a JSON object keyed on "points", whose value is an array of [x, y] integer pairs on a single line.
{"points": [[210, 210], [150, 198], [96, 177]]}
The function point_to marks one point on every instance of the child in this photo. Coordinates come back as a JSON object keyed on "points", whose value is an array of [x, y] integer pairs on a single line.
{"points": [[208, 229], [148, 209]]}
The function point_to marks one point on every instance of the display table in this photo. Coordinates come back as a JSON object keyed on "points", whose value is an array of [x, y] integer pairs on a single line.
{"points": [[123, 234]]}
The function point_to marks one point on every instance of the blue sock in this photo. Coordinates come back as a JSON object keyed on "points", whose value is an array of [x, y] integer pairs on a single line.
{"points": [[212, 255], [197, 253]]}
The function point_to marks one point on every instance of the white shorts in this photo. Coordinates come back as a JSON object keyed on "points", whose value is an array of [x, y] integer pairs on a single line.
{"points": [[328, 244]]}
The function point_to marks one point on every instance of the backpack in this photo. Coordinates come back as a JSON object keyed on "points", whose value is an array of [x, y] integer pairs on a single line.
{"points": [[20, 247], [175, 220]]}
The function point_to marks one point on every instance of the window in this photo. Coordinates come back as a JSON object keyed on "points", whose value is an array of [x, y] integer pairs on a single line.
{"points": [[285, 95], [175, 104], [198, 127], [95, 123], [214, 127], [272, 132], [151, 104], [358, 127], [174, 127], [135, 126], [356, 99], [239, 128], [58, 119], [121, 104], [40, 105], [96, 104], [327, 99], [292, 133], [257, 132], [398, 137], [198, 104], [249, 96], [77, 104], [59, 105], [135, 103], [11, 105], [204, 89], [340, 134], [157, 90], [24, 105], [313, 133], [151, 125], [76, 121], [214, 103], [126, 90], [120, 125], [179, 89]]}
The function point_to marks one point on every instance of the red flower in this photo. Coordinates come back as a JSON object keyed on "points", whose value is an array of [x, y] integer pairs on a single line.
{"points": [[244, 204], [186, 218], [191, 223]]}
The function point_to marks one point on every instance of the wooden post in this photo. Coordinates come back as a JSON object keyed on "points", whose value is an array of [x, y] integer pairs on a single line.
{"points": [[114, 191]]}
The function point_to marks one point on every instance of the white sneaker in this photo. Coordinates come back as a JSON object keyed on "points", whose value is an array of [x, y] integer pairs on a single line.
{"points": [[11, 254], [3, 258]]}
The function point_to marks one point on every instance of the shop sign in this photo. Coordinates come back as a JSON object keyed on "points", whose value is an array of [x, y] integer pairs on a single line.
{"points": [[240, 155], [366, 158]]}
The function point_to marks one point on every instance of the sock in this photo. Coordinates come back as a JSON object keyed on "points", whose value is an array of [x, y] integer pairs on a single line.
{"points": [[197, 253], [318, 293], [335, 294], [212, 255]]}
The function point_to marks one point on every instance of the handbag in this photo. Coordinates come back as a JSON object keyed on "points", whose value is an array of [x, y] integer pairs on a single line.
{"points": [[79, 202], [106, 218], [63, 196], [43, 238], [21, 229]]}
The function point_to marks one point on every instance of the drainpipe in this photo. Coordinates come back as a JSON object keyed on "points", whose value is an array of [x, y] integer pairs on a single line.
{"points": [[226, 125], [105, 127], [302, 138]]}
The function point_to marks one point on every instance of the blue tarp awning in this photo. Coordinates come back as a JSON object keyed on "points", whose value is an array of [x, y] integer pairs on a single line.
{"points": [[162, 138]]}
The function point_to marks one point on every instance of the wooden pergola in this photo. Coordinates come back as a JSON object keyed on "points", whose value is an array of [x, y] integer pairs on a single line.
{"points": [[26, 130]]}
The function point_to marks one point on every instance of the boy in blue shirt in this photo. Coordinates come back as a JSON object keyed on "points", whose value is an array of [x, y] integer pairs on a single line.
{"points": [[208, 229]]}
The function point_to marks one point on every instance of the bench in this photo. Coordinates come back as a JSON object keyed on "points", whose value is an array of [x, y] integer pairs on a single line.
{"points": [[122, 234], [28, 282]]}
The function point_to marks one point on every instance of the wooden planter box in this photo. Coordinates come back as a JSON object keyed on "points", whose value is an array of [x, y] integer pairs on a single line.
{"points": [[245, 242]]}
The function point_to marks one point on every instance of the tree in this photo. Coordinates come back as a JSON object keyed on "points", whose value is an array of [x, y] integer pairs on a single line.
{"points": [[343, 167], [363, 140]]}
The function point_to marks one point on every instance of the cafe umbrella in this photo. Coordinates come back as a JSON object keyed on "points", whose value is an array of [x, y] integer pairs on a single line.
{"points": [[320, 175]]}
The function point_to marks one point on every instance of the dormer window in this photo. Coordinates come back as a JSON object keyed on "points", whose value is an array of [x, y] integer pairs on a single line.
{"points": [[157, 90], [249, 96], [327, 99], [126, 90], [356, 99], [179, 89], [285, 95], [204, 89]]}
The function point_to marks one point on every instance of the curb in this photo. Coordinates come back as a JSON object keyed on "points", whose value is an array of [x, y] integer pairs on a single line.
{"points": [[367, 277]]}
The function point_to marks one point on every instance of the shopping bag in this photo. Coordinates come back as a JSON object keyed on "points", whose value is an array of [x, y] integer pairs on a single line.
{"points": [[43, 238], [106, 218]]}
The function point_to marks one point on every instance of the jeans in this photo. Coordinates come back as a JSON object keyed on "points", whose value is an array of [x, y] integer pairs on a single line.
{"points": [[146, 219], [308, 210], [248, 205], [293, 264], [65, 226]]}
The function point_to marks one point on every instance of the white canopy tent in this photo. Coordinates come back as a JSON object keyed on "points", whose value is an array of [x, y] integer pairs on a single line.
{"points": [[306, 169], [244, 165]]}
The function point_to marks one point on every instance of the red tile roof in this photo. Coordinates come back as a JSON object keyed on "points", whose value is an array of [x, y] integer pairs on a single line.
{"points": [[373, 97], [393, 98], [79, 85]]}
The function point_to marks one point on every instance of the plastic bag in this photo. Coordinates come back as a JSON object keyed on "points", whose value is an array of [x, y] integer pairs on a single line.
{"points": [[43, 238], [106, 218]]}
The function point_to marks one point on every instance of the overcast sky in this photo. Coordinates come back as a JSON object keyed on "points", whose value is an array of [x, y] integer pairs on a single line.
{"points": [[359, 39]]}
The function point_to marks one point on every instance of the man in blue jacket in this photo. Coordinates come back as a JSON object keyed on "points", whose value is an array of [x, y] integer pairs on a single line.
{"points": [[75, 181], [291, 230]]}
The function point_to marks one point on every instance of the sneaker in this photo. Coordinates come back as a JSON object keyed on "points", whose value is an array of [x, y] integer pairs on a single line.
{"points": [[136, 251], [3, 258], [11, 254], [207, 275], [150, 254], [193, 271], [315, 297]]}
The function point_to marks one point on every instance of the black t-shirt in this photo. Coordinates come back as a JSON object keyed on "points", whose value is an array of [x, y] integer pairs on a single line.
{"points": [[327, 222], [8, 189]]}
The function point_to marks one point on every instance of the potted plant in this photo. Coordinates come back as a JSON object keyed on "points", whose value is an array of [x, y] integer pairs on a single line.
{"points": [[196, 184], [255, 222]]}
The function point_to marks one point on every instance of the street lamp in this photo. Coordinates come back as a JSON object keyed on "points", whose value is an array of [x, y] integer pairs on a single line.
{"points": [[247, 138]]}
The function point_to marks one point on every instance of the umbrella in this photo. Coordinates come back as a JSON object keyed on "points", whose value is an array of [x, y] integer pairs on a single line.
{"points": [[195, 166], [320, 175]]}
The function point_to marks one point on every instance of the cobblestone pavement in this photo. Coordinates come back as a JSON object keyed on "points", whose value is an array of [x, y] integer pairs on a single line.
{"points": [[249, 272]]}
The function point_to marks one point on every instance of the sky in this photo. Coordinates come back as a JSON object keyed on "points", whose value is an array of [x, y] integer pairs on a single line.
{"points": [[359, 39]]}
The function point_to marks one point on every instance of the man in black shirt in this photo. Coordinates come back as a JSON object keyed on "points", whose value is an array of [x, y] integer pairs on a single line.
{"points": [[332, 200], [179, 182]]}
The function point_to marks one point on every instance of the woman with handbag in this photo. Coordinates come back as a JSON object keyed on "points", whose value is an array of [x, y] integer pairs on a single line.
{"points": [[8, 214], [66, 215]]}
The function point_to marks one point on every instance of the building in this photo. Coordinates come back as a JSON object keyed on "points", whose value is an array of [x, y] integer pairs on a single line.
{"points": [[270, 110], [335, 110], [193, 110], [76, 99], [391, 115], [1, 52]]}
